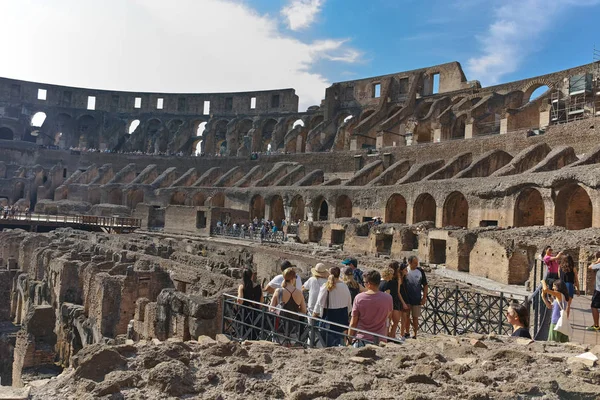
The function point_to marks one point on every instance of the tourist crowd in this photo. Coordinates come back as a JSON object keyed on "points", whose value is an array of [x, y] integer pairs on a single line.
{"points": [[559, 287], [353, 307], [356, 307]]}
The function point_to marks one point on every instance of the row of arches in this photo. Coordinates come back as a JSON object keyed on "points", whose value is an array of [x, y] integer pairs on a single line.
{"points": [[572, 209]]}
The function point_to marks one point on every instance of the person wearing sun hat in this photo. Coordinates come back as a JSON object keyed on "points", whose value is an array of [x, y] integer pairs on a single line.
{"points": [[351, 262], [314, 283]]}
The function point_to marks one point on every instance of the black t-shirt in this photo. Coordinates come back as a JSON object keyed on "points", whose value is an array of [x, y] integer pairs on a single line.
{"points": [[392, 286], [521, 332]]}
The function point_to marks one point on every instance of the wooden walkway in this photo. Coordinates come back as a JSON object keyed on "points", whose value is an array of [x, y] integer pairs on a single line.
{"points": [[581, 318]]}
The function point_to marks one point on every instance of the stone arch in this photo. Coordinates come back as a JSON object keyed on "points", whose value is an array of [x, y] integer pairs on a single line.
{"points": [[276, 210], [257, 207], [533, 86], [459, 127], [267, 134], [573, 208], [86, 133], [456, 210], [115, 196], [316, 120], [343, 207], [221, 137], [177, 199], [216, 200], [395, 209], [529, 208], [424, 208], [297, 209], [134, 197], [320, 209], [366, 114], [153, 126], [6, 133], [423, 133], [18, 191], [198, 199], [38, 119], [132, 126]]}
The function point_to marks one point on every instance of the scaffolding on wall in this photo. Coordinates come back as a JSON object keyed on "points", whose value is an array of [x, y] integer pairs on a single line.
{"points": [[581, 97]]}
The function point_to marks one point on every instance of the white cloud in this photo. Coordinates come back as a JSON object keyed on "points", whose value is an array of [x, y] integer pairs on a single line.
{"points": [[514, 34], [300, 14], [151, 45]]}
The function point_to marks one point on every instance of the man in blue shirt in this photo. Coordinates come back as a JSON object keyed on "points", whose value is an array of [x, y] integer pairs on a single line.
{"points": [[596, 297], [358, 274], [416, 290]]}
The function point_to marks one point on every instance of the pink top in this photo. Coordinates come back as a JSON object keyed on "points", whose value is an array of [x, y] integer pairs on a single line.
{"points": [[372, 311], [552, 265]]}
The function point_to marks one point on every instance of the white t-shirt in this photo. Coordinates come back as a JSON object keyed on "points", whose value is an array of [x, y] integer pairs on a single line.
{"points": [[313, 285], [278, 280], [339, 297]]}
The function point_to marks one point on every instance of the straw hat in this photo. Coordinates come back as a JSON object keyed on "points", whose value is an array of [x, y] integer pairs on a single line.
{"points": [[320, 271]]}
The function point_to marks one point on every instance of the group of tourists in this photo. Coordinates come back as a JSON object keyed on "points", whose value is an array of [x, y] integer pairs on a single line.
{"points": [[9, 212], [263, 228], [560, 286], [374, 308]]}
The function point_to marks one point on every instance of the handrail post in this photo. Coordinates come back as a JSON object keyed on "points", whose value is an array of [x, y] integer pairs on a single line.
{"points": [[313, 334], [455, 310], [501, 314]]}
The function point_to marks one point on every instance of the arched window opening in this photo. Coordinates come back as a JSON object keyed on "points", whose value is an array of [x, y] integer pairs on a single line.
{"points": [[133, 126], [298, 122], [573, 208], [297, 213], [395, 210], [424, 209], [38, 119], [348, 118], [323, 211], [276, 210], [6, 134], [456, 210], [257, 207], [343, 207], [537, 93]]}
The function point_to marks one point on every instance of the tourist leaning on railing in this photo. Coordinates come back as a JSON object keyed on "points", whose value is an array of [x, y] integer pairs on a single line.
{"points": [[289, 298], [313, 285], [560, 297]]}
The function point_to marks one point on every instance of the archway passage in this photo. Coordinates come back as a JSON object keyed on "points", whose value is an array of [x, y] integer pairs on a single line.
{"points": [[529, 208], [321, 210], [6, 134], [257, 207], [276, 211], [217, 200], [115, 196], [134, 197], [424, 208], [456, 210], [178, 199], [395, 210], [297, 212], [198, 200], [343, 207], [573, 208]]}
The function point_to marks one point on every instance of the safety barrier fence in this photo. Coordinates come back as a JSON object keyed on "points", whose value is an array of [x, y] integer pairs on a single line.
{"points": [[451, 311], [257, 321], [247, 234], [72, 219]]}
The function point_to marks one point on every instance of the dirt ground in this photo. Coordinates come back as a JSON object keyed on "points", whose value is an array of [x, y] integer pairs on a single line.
{"points": [[431, 367]]}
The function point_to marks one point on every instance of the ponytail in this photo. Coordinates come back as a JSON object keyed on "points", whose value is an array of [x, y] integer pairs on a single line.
{"points": [[334, 275]]}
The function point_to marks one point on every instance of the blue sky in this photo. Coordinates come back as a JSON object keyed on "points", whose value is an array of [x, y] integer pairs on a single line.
{"points": [[239, 45]]}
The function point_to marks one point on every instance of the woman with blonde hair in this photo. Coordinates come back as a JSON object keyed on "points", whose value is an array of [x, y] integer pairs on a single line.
{"points": [[334, 305], [289, 298], [354, 287]]}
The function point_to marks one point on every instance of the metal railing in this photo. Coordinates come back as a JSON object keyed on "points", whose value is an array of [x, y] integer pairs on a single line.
{"points": [[247, 234], [456, 311], [257, 321], [72, 219]]}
